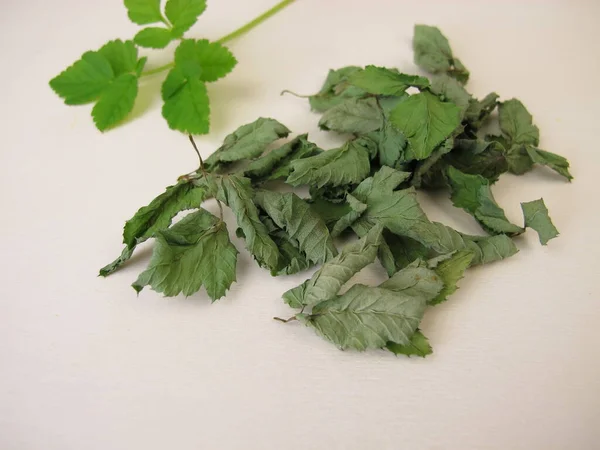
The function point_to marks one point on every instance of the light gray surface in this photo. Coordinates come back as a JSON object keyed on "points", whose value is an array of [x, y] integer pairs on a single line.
{"points": [[88, 365]]}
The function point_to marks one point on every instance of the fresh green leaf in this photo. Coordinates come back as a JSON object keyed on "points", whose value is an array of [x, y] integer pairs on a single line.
{"points": [[336, 89], [517, 124], [358, 116], [115, 102], [451, 271], [418, 346], [214, 59], [122, 56], [536, 217], [295, 216], [327, 281], [153, 37], [156, 216], [382, 81], [345, 165], [85, 80], [555, 162], [248, 141], [144, 12], [426, 122], [186, 106], [433, 53], [237, 193], [194, 252], [183, 14]]}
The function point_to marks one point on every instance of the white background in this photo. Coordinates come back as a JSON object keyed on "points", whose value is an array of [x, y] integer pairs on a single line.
{"points": [[86, 364]]}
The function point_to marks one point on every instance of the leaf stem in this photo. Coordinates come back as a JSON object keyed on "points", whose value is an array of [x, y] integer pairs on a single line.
{"points": [[204, 172], [285, 320], [257, 21], [158, 69], [234, 34]]}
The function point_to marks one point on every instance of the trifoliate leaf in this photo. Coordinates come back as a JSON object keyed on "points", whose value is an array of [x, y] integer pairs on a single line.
{"points": [[451, 271], [474, 195], [370, 317], [143, 12], [345, 165], [357, 116], [295, 216], [327, 281], [248, 141], [153, 37], [115, 102], [237, 193], [418, 346], [156, 216], [194, 252], [346, 221], [555, 162], [536, 217], [383, 81], [183, 14], [85, 80], [272, 165], [433, 53], [480, 110], [449, 89], [186, 106], [426, 122], [517, 124], [122, 56], [336, 89]]}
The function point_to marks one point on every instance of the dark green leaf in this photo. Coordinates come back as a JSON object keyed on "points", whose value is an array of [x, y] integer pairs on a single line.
{"points": [[336, 89], [433, 53]]}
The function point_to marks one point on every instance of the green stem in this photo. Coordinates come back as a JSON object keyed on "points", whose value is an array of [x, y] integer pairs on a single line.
{"points": [[260, 19], [234, 34], [157, 70]]}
